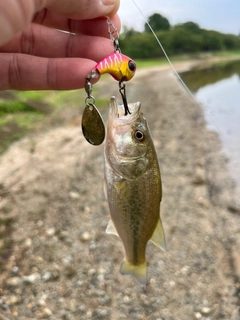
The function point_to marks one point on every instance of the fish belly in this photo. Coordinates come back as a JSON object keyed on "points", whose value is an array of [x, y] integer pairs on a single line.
{"points": [[134, 208]]}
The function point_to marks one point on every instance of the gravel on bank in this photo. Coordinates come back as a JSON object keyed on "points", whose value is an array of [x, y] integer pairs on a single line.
{"points": [[56, 262]]}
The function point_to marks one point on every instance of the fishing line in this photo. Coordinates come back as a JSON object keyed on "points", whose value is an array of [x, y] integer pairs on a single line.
{"points": [[173, 68]]}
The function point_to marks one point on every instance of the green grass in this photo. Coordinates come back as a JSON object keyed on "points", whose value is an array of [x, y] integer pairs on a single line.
{"points": [[17, 117], [14, 106], [32, 95], [28, 120], [21, 112], [227, 53], [185, 57], [150, 63]]}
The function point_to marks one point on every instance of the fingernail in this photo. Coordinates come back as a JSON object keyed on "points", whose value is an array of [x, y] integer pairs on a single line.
{"points": [[108, 2]]}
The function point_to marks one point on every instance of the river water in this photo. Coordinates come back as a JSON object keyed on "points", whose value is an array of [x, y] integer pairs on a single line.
{"points": [[218, 90]]}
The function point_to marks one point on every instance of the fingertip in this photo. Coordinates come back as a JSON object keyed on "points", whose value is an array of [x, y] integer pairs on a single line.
{"points": [[111, 6]]}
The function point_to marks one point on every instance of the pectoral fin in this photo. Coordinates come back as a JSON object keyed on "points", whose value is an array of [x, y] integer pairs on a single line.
{"points": [[158, 237], [138, 272], [111, 229]]}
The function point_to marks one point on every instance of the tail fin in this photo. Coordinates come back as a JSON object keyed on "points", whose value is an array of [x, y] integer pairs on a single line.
{"points": [[138, 272]]}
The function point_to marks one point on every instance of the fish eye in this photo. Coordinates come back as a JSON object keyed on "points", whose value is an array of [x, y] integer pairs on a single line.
{"points": [[132, 65], [139, 135]]}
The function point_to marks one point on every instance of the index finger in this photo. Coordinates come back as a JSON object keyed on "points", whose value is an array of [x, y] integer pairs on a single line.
{"points": [[92, 27], [82, 9]]}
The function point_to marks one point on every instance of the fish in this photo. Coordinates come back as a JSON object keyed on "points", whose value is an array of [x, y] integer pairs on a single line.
{"points": [[119, 66], [133, 187]]}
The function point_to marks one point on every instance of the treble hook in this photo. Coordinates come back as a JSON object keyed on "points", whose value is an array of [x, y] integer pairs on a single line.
{"points": [[122, 90]]}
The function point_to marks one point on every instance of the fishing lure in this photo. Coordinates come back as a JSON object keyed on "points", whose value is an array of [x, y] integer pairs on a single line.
{"points": [[119, 66], [122, 69]]}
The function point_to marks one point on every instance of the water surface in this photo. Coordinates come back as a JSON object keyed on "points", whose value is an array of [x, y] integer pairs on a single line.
{"points": [[218, 90]]}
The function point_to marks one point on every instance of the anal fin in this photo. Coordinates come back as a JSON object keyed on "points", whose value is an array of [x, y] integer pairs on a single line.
{"points": [[111, 229], [158, 237]]}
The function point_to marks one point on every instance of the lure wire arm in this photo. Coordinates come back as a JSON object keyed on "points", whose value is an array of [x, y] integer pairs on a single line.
{"points": [[113, 34], [88, 88], [122, 90]]}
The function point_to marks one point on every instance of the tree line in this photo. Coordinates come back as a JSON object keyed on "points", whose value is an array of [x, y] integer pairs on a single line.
{"points": [[185, 38]]}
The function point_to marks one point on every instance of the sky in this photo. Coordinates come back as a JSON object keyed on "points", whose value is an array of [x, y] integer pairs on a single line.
{"points": [[220, 15]]}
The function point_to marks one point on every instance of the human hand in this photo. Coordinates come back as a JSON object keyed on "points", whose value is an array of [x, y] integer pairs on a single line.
{"points": [[36, 56]]}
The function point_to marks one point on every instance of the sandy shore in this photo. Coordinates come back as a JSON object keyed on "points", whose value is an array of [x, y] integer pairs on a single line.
{"points": [[56, 260]]}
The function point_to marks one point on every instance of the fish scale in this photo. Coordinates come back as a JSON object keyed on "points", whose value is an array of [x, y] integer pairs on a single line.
{"points": [[134, 202]]}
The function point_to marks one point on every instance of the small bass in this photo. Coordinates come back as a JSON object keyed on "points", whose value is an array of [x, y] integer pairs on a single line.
{"points": [[133, 187]]}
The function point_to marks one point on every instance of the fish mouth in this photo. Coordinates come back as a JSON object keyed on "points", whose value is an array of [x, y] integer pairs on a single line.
{"points": [[122, 154], [117, 111]]}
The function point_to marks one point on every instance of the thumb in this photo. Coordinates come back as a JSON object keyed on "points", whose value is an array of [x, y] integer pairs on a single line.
{"points": [[83, 9], [17, 14]]}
